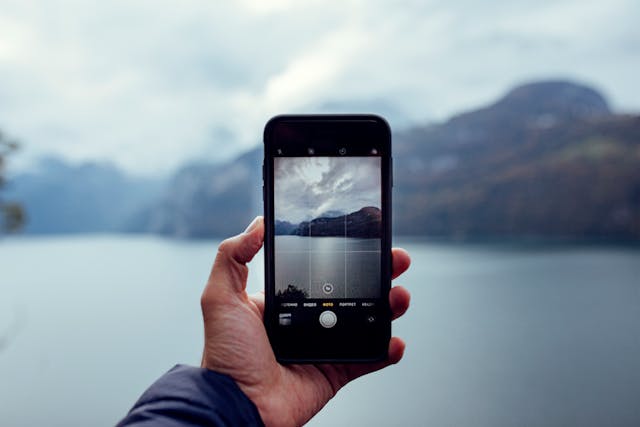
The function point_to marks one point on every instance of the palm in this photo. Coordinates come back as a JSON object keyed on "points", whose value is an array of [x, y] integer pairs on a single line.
{"points": [[267, 383]]}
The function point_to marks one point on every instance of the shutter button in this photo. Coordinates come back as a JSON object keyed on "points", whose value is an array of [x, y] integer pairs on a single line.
{"points": [[328, 319]]}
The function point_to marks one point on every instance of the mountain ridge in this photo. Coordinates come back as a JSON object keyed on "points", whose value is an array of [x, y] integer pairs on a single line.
{"points": [[364, 223], [548, 159]]}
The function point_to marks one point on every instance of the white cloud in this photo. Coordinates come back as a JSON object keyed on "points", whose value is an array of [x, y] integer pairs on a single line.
{"points": [[306, 188], [152, 84], [312, 73]]}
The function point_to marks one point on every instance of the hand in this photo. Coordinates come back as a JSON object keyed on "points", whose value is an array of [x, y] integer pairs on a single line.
{"points": [[236, 341]]}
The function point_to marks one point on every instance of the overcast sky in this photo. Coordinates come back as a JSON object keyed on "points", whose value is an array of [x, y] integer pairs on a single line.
{"points": [[151, 84], [309, 187]]}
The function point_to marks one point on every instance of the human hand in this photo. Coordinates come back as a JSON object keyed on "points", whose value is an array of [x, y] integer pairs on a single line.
{"points": [[236, 341]]}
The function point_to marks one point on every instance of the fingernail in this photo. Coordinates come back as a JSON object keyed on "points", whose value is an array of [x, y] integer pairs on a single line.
{"points": [[253, 225]]}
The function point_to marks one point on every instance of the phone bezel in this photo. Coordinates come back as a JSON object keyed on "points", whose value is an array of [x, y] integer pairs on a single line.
{"points": [[325, 133]]}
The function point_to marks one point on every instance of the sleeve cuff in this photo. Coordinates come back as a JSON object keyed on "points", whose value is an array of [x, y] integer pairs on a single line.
{"points": [[187, 396]]}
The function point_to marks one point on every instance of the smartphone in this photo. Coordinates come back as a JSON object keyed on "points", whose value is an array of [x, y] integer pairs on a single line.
{"points": [[327, 209]]}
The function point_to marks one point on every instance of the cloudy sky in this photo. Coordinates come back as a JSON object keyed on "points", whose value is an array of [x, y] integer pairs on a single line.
{"points": [[308, 187], [149, 85]]}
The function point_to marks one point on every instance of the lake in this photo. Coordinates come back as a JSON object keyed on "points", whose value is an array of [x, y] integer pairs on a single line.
{"points": [[498, 335], [350, 265]]}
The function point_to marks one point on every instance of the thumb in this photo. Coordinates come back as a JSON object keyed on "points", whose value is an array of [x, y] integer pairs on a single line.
{"points": [[229, 271]]}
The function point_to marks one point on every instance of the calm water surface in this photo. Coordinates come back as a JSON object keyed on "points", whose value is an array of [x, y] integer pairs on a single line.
{"points": [[497, 335], [350, 265]]}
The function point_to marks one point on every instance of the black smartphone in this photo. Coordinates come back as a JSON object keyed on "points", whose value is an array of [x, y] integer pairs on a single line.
{"points": [[327, 210]]}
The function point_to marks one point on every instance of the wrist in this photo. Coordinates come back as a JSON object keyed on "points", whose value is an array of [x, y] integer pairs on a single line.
{"points": [[272, 413], [282, 406]]}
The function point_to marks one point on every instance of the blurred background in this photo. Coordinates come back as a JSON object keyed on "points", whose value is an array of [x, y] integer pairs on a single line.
{"points": [[130, 145]]}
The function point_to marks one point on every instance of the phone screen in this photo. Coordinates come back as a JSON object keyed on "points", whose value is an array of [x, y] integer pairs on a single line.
{"points": [[327, 231], [327, 245]]}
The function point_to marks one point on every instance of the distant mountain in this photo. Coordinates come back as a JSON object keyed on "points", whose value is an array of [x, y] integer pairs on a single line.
{"points": [[533, 105], [283, 227], [548, 159], [59, 197], [332, 213], [206, 200], [364, 223]]}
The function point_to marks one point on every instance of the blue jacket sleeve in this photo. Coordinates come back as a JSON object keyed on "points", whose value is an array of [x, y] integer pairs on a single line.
{"points": [[189, 397]]}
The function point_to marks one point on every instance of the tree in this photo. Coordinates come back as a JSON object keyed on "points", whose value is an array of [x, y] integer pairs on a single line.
{"points": [[292, 292], [12, 215]]}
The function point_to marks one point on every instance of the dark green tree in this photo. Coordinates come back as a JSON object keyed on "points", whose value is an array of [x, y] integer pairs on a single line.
{"points": [[292, 292], [12, 215]]}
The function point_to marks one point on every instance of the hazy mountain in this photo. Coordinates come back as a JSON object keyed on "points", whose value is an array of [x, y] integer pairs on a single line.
{"points": [[204, 200], [364, 223], [283, 227], [548, 159], [332, 213], [59, 197]]}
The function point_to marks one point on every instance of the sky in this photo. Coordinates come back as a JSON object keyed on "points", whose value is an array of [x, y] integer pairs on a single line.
{"points": [[309, 187], [150, 85]]}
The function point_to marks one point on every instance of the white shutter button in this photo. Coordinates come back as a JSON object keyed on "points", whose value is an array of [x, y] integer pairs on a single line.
{"points": [[328, 319]]}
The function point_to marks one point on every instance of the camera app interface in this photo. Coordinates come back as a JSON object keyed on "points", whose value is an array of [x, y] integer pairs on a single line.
{"points": [[328, 225]]}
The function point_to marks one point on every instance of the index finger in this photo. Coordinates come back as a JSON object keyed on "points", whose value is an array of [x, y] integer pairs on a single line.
{"points": [[400, 260]]}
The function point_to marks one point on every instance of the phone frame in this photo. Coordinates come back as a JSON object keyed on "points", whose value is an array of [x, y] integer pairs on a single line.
{"points": [[328, 132]]}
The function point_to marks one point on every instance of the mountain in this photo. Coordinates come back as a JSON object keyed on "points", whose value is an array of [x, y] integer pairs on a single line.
{"points": [[332, 213], [59, 197], [283, 227], [364, 223], [208, 200], [548, 160]]}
